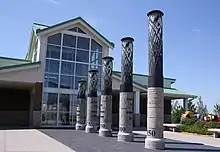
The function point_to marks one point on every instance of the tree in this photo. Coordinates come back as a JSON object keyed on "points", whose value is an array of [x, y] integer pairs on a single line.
{"points": [[191, 106], [201, 108], [216, 110], [176, 112]]}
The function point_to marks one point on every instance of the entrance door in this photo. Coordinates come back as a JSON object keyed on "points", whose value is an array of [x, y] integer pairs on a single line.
{"points": [[67, 110]]}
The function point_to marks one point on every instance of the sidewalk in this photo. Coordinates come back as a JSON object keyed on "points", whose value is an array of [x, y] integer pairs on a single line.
{"points": [[206, 140], [29, 141]]}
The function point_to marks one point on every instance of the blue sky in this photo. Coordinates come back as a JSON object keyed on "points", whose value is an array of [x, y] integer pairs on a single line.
{"points": [[191, 34]]}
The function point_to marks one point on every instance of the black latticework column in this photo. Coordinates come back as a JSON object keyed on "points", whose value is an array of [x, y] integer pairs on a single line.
{"points": [[155, 103], [126, 91], [106, 98], [81, 98], [91, 119]]}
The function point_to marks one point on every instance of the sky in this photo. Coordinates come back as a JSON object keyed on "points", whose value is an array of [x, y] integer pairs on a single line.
{"points": [[191, 34]]}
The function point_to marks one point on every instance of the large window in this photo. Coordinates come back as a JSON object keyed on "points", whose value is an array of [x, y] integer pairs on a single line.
{"points": [[69, 58]]}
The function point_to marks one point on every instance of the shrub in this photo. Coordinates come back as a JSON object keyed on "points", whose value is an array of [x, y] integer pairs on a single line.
{"points": [[212, 124], [187, 121]]}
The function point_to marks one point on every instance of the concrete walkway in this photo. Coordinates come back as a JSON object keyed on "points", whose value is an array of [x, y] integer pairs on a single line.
{"points": [[206, 140], [29, 141]]}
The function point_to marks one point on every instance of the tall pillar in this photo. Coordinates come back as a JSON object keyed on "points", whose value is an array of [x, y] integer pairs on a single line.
{"points": [[155, 106], [81, 107], [185, 104], [126, 92], [137, 109], [91, 119], [106, 98]]}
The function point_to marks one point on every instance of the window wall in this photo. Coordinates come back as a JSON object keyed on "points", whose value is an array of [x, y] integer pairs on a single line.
{"points": [[69, 57]]}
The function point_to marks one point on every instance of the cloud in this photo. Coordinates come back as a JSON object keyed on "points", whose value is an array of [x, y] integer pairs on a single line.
{"points": [[54, 2], [196, 30]]}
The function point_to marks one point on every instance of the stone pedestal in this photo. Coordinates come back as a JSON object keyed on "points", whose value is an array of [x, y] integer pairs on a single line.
{"points": [[106, 116], [80, 115], [126, 117], [91, 121]]}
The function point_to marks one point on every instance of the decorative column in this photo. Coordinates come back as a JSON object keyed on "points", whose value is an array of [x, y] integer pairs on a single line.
{"points": [[106, 98], [91, 119], [126, 92], [185, 104], [81, 107], [155, 94]]}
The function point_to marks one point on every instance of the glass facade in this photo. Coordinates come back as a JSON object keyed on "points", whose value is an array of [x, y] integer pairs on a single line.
{"points": [[69, 57]]}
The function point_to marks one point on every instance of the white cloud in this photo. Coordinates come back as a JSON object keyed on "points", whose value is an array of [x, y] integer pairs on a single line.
{"points": [[196, 30], [54, 2]]}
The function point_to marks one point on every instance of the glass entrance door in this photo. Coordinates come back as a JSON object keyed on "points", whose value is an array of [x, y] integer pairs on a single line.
{"points": [[67, 110]]}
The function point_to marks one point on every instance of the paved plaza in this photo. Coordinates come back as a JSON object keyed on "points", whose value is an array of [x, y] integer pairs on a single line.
{"points": [[68, 140]]}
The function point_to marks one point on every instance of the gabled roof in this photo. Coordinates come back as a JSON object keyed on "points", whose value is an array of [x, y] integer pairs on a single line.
{"points": [[42, 29]]}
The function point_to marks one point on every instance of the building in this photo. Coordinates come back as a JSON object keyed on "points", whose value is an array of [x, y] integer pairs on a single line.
{"points": [[41, 89]]}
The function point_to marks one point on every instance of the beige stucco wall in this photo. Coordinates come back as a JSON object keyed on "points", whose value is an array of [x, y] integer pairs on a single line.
{"points": [[116, 85], [31, 75]]}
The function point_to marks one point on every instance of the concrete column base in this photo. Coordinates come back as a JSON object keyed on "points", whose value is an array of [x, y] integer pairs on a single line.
{"points": [[125, 137], [80, 126], [105, 132], [90, 129], [155, 143]]}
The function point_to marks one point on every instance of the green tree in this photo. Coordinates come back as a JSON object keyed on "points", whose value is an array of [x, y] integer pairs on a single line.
{"points": [[176, 112], [216, 110], [201, 108]]}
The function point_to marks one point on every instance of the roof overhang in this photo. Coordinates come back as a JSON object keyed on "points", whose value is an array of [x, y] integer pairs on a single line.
{"points": [[72, 22], [168, 92], [19, 67]]}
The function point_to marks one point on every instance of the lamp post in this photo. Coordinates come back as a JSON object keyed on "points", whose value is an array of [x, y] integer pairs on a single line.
{"points": [[91, 119], [106, 98], [81, 98], [126, 91], [155, 93]]}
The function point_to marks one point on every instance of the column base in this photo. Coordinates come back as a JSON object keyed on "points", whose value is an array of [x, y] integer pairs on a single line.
{"points": [[80, 126], [155, 143], [105, 132], [125, 137], [91, 129]]}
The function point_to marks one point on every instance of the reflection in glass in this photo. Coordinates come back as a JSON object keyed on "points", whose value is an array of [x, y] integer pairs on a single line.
{"points": [[52, 66], [77, 29], [81, 69], [95, 46], [51, 80], [82, 56], [64, 118], [97, 67], [51, 100], [67, 68], [55, 39], [68, 54], [99, 84], [64, 103], [49, 118], [83, 43], [66, 82], [77, 80], [69, 40], [96, 58], [53, 51]]}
